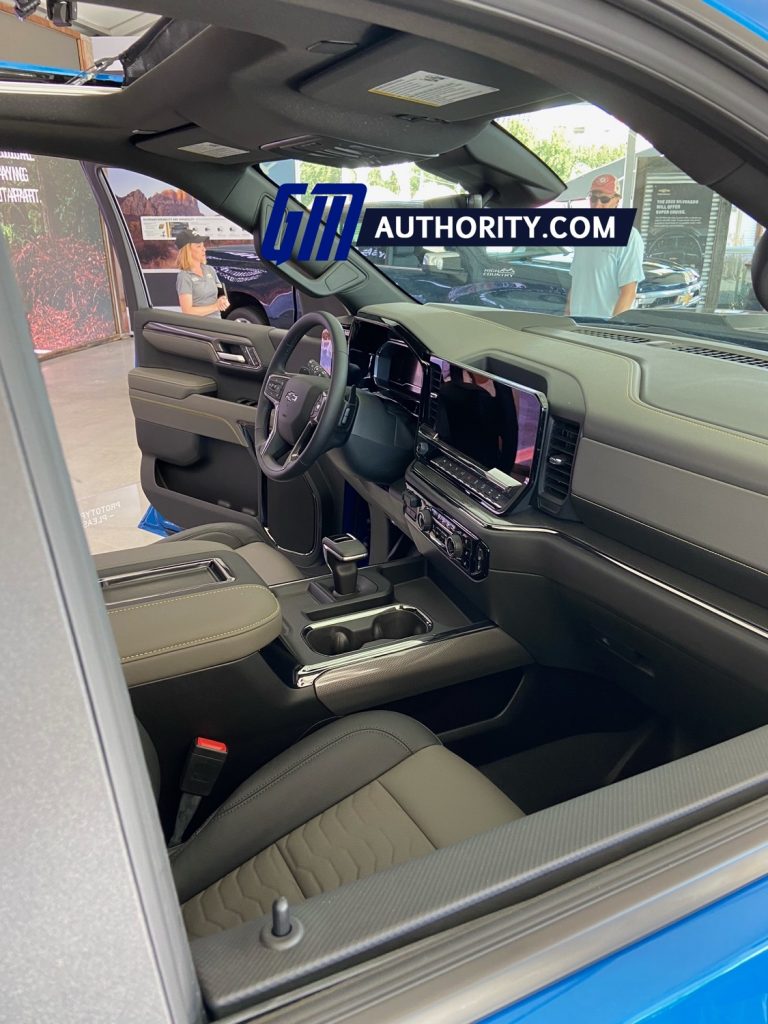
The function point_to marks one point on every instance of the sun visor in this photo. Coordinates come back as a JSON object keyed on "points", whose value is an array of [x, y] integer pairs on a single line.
{"points": [[195, 144], [425, 81]]}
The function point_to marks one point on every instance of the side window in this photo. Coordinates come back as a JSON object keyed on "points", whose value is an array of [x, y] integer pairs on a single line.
{"points": [[58, 250], [697, 247], [155, 212]]}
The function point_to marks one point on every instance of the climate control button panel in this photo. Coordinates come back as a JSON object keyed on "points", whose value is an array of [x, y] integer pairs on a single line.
{"points": [[455, 541]]}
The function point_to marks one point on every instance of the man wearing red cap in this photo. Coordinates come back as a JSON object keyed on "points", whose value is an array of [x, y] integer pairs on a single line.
{"points": [[604, 278]]}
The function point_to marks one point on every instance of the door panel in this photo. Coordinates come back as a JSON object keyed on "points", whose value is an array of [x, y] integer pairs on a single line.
{"points": [[198, 464], [193, 395]]}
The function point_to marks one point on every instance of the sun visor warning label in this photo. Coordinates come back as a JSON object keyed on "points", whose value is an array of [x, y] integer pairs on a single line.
{"points": [[213, 149], [431, 89]]}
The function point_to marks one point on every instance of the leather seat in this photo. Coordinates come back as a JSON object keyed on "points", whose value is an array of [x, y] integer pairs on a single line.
{"points": [[250, 543], [354, 798]]}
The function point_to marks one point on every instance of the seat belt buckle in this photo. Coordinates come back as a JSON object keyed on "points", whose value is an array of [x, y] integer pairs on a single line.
{"points": [[203, 766], [201, 770]]}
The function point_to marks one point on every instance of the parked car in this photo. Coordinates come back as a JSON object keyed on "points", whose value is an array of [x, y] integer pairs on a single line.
{"points": [[534, 279], [256, 293]]}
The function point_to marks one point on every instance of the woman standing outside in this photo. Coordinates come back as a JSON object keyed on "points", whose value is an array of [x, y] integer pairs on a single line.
{"points": [[201, 293]]}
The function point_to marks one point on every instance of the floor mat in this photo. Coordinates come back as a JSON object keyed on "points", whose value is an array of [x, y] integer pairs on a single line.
{"points": [[566, 768]]}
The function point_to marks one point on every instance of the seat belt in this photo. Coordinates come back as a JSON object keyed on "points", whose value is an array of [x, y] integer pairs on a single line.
{"points": [[201, 770]]}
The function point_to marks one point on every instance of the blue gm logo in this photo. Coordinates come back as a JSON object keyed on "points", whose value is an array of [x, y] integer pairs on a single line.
{"points": [[282, 230]]}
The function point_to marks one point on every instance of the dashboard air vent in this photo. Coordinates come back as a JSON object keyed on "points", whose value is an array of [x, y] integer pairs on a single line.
{"points": [[721, 353], [633, 339], [435, 381], [558, 466]]}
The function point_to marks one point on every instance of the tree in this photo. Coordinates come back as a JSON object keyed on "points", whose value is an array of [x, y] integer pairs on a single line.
{"points": [[562, 156], [313, 174]]}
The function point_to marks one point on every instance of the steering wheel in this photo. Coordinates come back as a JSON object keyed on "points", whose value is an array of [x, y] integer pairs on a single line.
{"points": [[307, 409]]}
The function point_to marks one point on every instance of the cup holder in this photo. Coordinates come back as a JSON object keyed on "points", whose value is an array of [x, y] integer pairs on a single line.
{"points": [[398, 623], [355, 631], [331, 640]]}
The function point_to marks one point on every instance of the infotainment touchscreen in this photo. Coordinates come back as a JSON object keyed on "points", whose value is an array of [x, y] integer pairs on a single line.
{"points": [[492, 424]]}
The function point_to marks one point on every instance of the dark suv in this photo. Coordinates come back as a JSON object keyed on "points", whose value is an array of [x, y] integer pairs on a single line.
{"points": [[257, 295]]}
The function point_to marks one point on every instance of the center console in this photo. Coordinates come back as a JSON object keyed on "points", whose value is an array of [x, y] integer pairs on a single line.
{"points": [[174, 609], [398, 635]]}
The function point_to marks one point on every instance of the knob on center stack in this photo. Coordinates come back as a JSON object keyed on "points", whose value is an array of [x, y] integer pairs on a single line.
{"points": [[454, 545], [424, 519]]}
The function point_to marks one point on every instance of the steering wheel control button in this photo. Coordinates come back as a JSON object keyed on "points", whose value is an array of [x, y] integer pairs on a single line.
{"points": [[275, 387], [318, 407]]}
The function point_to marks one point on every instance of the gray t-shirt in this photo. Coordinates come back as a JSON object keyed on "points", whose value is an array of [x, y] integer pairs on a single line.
{"points": [[599, 271], [203, 289]]}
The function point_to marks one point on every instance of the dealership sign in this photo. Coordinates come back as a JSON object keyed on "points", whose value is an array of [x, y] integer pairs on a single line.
{"points": [[161, 229]]}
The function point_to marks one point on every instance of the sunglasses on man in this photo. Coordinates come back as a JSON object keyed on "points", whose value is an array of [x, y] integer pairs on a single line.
{"points": [[601, 197]]}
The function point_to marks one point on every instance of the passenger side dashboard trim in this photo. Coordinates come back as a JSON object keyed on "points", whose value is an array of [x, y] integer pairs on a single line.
{"points": [[497, 526]]}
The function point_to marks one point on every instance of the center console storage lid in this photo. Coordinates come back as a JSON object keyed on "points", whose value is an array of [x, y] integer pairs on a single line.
{"points": [[183, 607], [139, 558], [182, 633]]}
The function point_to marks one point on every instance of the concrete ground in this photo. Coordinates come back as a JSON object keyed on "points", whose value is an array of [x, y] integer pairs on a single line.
{"points": [[88, 391]]}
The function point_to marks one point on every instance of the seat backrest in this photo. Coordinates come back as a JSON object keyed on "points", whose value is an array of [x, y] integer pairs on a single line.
{"points": [[150, 756]]}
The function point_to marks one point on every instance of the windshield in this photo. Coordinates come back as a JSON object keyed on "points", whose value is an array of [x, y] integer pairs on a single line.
{"points": [[686, 269]]}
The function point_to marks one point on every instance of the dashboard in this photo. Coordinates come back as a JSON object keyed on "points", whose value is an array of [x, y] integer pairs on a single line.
{"points": [[481, 430], [598, 492], [641, 437]]}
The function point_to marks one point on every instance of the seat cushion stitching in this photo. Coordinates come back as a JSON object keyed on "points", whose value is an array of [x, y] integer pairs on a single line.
{"points": [[201, 595], [288, 867], [409, 816]]}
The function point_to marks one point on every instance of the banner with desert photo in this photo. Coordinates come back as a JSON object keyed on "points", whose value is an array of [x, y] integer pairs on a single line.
{"points": [[154, 213]]}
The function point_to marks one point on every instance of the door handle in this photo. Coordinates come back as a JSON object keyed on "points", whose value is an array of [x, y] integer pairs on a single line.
{"points": [[230, 357]]}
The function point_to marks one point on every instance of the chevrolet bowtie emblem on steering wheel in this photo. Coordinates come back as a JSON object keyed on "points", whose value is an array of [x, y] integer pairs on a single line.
{"points": [[291, 397]]}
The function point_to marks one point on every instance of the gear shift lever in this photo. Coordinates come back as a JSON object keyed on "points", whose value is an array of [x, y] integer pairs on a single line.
{"points": [[342, 552]]}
